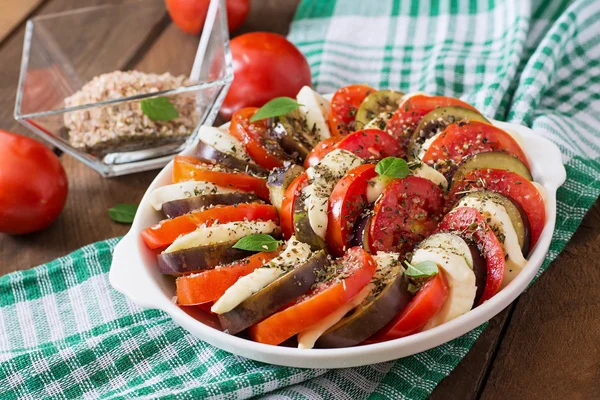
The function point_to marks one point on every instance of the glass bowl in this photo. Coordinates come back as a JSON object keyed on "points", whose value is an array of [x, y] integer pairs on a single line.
{"points": [[102, 124]]}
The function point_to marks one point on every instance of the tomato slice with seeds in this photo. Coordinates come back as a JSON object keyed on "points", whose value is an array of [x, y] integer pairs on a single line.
{"points": [[369, 144], [414, 316], [287, 204], [347, 201], [343, 108], [412, 110], [210, 285], [464, 139], [165, 232], [407, 211], [191, 169], [509, 184], [469, 224], [344, 280], [264, 150]]}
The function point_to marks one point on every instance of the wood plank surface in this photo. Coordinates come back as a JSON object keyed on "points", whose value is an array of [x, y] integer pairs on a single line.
{"points": [[13, 12], [545, 346]]}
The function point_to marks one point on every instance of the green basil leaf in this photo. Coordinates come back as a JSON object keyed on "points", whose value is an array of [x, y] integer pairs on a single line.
{"points": [[259, 242], [275, 108], [425, 269], [159, 109], [392, 167], [123, 213]]}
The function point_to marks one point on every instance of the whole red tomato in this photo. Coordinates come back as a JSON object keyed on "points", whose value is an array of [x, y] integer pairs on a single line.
{"points": [[189, 15], [33, 185], [265, 65]]}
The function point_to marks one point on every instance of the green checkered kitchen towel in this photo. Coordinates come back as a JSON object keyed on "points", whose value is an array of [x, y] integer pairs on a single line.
{"points": [[65, 333]]}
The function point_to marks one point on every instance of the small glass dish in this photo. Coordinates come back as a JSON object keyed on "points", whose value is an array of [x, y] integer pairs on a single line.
{"points": [[107, 129]]}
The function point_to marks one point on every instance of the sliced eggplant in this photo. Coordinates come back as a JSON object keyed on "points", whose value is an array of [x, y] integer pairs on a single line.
{"points": [[376, 103], [175, 208], [361, 231], [437, 120], [199, 258], [479, 269], [293, 134], [492, 159], [515, 212], [279, 180], [274, 296], [302, 229], [209, 154], [389, 297]]}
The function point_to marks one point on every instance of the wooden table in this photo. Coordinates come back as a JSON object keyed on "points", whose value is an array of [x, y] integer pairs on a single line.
{"points": [[545, 345]]}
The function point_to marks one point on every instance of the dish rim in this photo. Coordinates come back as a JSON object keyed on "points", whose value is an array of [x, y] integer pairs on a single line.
{"points": [[146, 291]]}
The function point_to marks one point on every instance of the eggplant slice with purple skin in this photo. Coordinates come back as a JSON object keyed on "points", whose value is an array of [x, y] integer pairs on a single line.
{"points": [[378, 309], [209, 154], [275, 295], [176, 208], [302, 229], [361, 231], [480, 271], [279, 180], [200, 258]]}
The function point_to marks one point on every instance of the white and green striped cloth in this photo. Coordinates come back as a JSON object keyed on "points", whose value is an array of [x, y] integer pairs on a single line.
{"points": [[64, 333]]}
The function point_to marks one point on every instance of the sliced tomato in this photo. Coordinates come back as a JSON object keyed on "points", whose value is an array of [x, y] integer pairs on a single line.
{"points": [[343, 108], [210, 285], [414, 316], [469, 224], [407, 212], [265, 151], [509, 184], [412, 110], [287, 204], [165, 232], [347, 201], [463, 139], [191, 169], [369, 144], [351, 274], [320, 150]]}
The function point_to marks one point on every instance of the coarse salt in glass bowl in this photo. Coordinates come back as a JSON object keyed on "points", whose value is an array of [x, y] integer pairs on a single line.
{"points": [[85, 74]]}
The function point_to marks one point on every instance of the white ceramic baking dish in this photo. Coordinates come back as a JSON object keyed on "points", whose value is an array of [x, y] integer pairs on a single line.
{"points": [[134, 273]]}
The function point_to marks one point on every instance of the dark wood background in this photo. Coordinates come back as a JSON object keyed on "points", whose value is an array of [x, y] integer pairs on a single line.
{"points": [[546, 345]]}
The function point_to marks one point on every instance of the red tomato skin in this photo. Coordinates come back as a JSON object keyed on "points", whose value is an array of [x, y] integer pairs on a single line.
{"points": [[33, 185], [344, 104], [189, 15], [408, 211], [320, 150], [348, 199], [508, 184], [265, 65], [412, 110], [286, 214], [481, 138], [460, 221], [414, 316]]}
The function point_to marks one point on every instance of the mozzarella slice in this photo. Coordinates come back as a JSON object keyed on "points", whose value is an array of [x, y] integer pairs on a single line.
{"points": [[450, 243], [220, 233], [461, 283], [427, 172], [497, 218], [308, 337], [385, 261], [222, 141], [295, 253], [316, 109], [375, 187], [380, 121], [183, 190], [425, 146], [322, 178]]}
